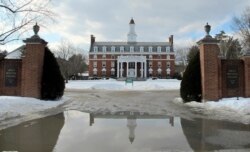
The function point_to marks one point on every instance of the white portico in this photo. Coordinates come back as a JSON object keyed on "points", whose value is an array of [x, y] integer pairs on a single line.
{"points": [[131, 66]]}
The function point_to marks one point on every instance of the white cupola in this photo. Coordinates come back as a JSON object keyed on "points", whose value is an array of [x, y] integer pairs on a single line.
{"points": [[131, 34]]}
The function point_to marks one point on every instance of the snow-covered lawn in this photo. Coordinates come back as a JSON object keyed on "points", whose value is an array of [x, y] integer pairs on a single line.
{"points": [[226, 109], [112, 84], [16, 107]]}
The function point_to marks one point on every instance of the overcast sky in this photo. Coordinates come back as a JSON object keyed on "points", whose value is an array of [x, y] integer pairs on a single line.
{"points": [[155, 20]]}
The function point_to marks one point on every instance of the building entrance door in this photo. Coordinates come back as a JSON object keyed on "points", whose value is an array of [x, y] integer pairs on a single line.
{"points": [[131, 73]]}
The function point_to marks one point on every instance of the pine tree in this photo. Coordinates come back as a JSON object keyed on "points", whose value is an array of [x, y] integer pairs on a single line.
{"points": [[191, 81], [52, 81]]}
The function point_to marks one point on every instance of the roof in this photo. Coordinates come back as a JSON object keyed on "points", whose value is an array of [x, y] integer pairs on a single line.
{"points": [[16, 54], [132, 21], [132, 43]]}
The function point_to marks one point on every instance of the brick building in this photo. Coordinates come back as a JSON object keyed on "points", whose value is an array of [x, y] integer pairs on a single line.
{"points": [[132, 59], [21, 69]]}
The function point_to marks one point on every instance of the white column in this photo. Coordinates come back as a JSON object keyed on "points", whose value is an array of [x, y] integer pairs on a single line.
{"points": [[145, 69], [121, 69], [118, 69], [141, 70], [135, 69], [127, 69]]}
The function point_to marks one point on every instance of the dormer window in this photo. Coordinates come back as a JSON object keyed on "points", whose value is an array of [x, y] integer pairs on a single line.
{"points": [[141, 49], [131, 49], [122, 48], [104, 49], [95, 49], [112, 49], [167, 49], [158, 49], [150, 49]]}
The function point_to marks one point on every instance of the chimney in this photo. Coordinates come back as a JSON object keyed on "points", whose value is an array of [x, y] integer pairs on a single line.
{"points": [[92, 39], [171, 40]]}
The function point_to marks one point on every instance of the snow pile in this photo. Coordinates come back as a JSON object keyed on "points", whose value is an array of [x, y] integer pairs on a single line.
{"points": [[112, 84], [226, 109], [11, 107]]}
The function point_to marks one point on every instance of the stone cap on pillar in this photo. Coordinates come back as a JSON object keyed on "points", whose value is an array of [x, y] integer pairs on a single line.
{"points": [[35, 38], [208, 38]]}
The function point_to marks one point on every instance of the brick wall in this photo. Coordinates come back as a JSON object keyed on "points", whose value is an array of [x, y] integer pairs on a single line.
{"points": [[32, 70], [209, 53], [246, 60]]}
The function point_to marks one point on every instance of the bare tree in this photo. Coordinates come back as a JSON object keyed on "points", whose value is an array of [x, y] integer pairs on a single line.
{"points": [[70, 59], [181, 55], [242, 24], [17, 16]]}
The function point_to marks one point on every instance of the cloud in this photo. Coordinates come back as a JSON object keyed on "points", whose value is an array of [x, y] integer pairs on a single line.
{"points": [[155, 20]]}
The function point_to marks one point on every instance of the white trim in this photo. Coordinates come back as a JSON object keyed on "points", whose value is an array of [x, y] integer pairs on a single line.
{"points": [[132, 53], [146, 59]]}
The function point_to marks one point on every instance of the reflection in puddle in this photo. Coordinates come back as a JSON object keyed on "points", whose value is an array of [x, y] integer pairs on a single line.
{"points": [[131, 119], [123, 131], [39, 135]]}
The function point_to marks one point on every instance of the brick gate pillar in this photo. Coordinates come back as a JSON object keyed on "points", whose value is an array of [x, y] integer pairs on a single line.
{"points": [[32, 65], [246, 60], [209, 62]]}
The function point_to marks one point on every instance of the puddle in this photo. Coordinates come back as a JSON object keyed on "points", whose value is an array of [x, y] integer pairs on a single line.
{"points": [[124, 132]]}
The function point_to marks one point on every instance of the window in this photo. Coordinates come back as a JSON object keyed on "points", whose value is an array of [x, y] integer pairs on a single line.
{"points": [[122, 48], [103, 72], [104, 56], [113, 64], [95, 56], [150, 56], [131, 49], [168, 49], [168, 64], [112, 49], [95, 64], [104, 49], [95, 49], [141, 49], [158, 49], [159, 64], [150, 49], [112, 72], [168, 57], [95, 71], [103, 64], [150, 64]]}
